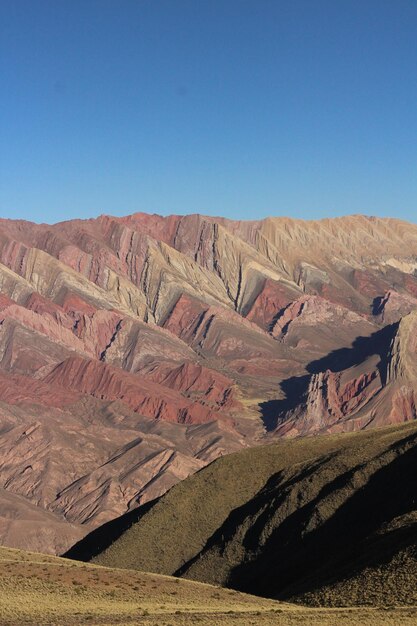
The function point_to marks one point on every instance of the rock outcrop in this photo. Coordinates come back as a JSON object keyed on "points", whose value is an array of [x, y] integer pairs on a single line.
{"points": [[380, 389]]}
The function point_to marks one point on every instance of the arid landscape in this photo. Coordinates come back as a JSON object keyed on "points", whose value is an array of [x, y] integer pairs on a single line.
{"points": [[273, 363], [38, 589], [280, 354], [208, 313], [136, 350]]}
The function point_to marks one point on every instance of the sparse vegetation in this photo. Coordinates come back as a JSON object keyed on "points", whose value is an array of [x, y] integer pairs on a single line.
{"points": [[32, 594], [324, 521]]}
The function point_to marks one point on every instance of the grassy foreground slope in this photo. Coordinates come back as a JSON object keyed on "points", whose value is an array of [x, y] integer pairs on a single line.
{"points": [[43, 590], [326, 521], [40, 589]]}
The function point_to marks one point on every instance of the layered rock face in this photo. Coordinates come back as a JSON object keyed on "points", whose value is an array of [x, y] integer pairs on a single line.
{"points": [[379, 388], [135, 350]]}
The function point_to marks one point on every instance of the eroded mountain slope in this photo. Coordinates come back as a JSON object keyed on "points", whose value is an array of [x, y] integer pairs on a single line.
{"points": [[135, 350]]}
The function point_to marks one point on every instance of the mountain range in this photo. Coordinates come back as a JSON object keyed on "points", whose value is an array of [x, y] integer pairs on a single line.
{"points": [[136, 350]]}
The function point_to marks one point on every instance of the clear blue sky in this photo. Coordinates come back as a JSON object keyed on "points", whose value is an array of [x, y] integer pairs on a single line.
{"points": [[243, 108]]}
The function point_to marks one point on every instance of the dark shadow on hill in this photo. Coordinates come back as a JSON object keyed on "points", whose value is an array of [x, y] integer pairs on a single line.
{"points": [[258, 502], [102, 537], [273, 412], [295, 560], [378, 304], [362, 348], [278, 316]]}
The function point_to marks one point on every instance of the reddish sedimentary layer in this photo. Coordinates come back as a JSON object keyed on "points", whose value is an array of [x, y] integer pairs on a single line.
{"points": [[138, 393]]}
